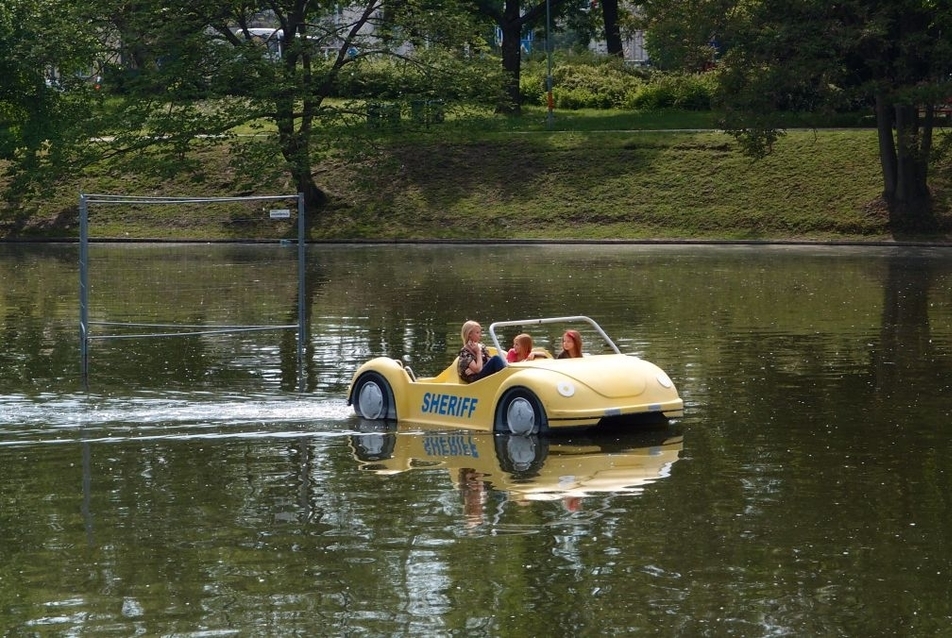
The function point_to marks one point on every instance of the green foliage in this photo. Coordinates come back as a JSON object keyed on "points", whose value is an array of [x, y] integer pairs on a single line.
{"points": [[691, 92], [371, 78], [686, 35], [820, 57], [181, 73], [610, 85], [47, 91], [431, 75], [607, 85], [189, 74], [532, 84]]}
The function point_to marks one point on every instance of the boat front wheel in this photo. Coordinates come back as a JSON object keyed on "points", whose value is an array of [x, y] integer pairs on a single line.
{"points": [[520, 412]]}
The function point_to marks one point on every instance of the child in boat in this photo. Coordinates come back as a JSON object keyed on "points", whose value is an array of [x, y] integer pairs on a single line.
{"points": [[571, 345], [521, 349]]}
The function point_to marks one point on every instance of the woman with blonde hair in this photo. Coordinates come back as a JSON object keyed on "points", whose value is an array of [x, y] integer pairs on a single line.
{"points": [[474, 360]]}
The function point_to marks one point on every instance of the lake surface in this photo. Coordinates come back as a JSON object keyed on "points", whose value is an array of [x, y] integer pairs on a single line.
{"points": [[214, 485]]}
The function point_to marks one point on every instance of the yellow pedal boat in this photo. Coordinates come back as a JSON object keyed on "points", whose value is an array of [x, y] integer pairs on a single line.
{"points": [[538, 396]]}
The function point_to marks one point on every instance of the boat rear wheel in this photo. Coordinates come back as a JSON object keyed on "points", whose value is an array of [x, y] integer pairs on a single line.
{"points": [[372, 396]]}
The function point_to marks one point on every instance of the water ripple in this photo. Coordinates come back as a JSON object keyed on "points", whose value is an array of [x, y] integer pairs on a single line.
{"points": [[67, 418]]}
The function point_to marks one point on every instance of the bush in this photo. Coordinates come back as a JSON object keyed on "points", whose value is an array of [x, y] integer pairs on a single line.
{"points": [[691, 92], [437, 77], [579, 85], [371, 79], [603, 86], [532, 85], [612, 85]]}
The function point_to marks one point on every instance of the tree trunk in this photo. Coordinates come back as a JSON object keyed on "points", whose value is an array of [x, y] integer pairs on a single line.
{"points": [[904, 149], [295, 148], [296, 152], [510, 102], [887, 145], [314, 197], [296, 142], [612, 30]]}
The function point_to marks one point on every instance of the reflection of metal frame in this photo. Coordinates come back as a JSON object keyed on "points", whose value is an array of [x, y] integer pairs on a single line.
{"points": [[178, 330], [527, 467]]}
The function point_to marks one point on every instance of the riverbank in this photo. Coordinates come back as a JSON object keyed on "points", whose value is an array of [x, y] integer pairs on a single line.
{"points": [[561, 186]]}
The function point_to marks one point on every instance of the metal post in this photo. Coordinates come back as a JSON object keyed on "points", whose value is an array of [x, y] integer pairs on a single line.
{"points": [[550, 118], [302, 269], [83, 289]]}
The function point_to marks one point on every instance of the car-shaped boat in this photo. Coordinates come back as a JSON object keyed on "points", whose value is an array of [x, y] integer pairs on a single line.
{"points": [[543, 395]]}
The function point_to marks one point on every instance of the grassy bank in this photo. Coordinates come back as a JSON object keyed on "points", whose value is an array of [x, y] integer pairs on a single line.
{"points": [[604, 185], [616, 180]]}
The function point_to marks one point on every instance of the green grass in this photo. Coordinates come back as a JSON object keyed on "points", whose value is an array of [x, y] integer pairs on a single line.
{"points": [[536, 119], [613, 184], [595, 175]]}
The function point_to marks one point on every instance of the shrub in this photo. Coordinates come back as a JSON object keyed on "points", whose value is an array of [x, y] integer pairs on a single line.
{"points": [[580, 84], [574, 99], [690, 92], [583, 84], [439, 77], [532, 85], [602, 86]]}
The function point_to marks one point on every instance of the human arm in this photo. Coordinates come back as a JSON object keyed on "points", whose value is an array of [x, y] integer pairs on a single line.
{"points": [[479, 356], [472, 358]]}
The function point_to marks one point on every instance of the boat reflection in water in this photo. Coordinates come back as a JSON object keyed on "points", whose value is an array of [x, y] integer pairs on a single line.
{"points": [[526, 468]]}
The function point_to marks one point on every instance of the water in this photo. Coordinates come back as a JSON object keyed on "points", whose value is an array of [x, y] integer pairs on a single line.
{"points": [[189, 488]]}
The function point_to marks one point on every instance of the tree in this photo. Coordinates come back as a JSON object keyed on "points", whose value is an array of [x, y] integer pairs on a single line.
{"points": [[188, 74], [613, 43], [207, 49], [512, 22], [683, 36], [893, 57], [46, 85]]}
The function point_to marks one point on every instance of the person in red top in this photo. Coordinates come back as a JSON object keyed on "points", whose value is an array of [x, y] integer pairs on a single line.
{"points": [[521, 349]]}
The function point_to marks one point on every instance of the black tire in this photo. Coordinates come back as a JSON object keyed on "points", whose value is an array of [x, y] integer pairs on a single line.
{"points": [[520, 412], [372, 397]]}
